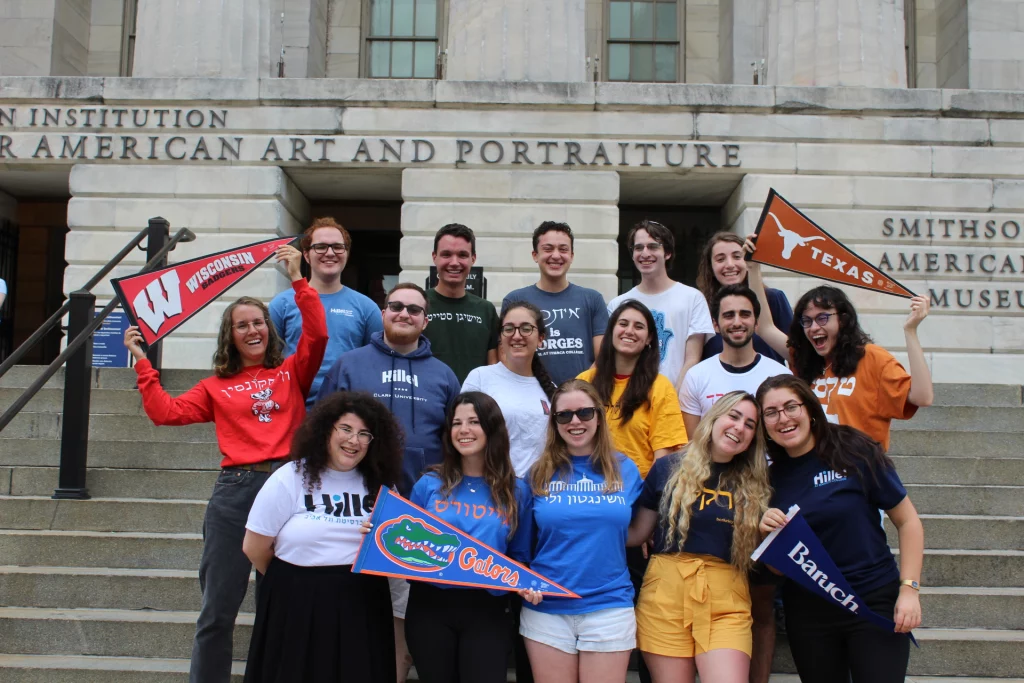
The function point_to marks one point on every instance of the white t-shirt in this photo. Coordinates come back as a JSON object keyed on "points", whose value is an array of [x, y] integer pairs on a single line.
{"points": [[679, 312], [524, 405], [710, 380], [315, 529]]}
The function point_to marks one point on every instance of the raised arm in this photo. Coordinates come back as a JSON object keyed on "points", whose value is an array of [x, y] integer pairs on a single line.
{"points": [[192, 407], [766, 328], [309, 353], [921, 391]]}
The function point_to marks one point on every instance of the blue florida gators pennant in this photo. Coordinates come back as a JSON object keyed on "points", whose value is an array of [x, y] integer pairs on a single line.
{"points": [[410, 543], [796, 551]]}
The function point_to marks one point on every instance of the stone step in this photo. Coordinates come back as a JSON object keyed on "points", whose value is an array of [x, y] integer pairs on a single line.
{"points": [[972, 568], [110, 483], [86, 669], [102, 514], [21, 376], [100, 549], [107, 632], [111, 401], [950, 653], [1001, 395], [945, 499], [973, 607], [910, 440], [103, 587], [964, 419], [107, 427], [967, 531], [118, 453], [978, 471]]}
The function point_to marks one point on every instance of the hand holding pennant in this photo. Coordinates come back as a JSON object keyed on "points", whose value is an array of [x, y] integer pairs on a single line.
{"points": [[408, 542], [789, 240], [795, 550]]}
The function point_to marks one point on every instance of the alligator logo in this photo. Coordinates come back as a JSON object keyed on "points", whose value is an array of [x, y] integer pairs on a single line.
{"points": [[414, 544]]}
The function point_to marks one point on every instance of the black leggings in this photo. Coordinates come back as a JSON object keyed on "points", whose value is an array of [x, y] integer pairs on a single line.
{"points": [[458, 634], [831, 645]]}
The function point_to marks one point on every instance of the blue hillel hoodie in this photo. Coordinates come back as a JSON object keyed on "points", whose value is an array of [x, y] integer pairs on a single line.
{"points": [[416, 387]]}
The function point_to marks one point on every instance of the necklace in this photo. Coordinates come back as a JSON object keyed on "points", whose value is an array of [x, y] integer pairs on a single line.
{"points": [[253, 376]]}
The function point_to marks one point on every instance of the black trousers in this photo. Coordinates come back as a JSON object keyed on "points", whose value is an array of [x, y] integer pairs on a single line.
{"points": [[636, 563], [458, 635], [831, 645]]}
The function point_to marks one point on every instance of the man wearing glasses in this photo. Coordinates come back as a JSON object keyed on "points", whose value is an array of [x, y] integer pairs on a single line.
{"points": [[351, 317], [680, 312]]}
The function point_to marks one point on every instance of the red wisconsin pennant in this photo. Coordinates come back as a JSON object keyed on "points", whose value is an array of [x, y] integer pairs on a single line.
{"points": [[160, 301], [789, 240]]}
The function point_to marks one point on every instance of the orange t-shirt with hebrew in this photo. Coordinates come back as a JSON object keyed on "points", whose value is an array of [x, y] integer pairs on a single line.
{"points": [[869, 399]]}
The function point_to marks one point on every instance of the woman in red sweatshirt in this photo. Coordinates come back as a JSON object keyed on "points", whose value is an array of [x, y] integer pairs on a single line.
{"points": [[256, 400]]}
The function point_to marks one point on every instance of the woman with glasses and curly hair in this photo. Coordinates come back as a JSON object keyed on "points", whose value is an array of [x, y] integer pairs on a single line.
{"points": [[256, 400], [840, 478], [315, 619], [703, 506], [457, 633], [583, 494]]}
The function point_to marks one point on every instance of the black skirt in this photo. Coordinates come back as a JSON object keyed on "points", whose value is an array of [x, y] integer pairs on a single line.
{"points": [[319, 624]]}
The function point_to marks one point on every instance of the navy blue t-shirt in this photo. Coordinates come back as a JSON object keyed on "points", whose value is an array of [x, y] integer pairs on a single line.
{"points": [[842, 509], [711, 519], [782, 316]]}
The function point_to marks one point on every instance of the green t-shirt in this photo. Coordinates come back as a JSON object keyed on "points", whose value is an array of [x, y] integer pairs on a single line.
{"points": [[461, 331]]}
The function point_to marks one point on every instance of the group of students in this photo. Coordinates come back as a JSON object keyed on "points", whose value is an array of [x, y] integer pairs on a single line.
{"points": [[620, 450]]}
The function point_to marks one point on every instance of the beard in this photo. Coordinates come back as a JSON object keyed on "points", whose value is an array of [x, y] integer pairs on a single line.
{"points": [[737, 344], [402, 335]]}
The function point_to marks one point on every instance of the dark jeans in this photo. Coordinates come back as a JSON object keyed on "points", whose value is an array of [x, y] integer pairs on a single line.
{"points": [[636, 563], [831, 645], [223, 573]]}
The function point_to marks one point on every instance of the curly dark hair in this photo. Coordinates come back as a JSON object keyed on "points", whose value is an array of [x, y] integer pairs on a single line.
{"points": [[638, 387], [540, 371], [850, 342], [499, 475], [382, 465], [549, 226], [841, 447], [227, 361]]}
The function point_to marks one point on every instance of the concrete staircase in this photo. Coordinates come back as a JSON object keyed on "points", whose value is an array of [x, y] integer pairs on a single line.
{"points": [[105, 590]]}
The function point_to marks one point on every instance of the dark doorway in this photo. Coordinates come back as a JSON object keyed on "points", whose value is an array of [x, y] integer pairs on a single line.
{"points": [[9, 275], [691, 226], [39, 285]]}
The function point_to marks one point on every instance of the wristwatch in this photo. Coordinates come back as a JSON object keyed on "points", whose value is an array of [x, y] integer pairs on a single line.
{"points": [[910, 582]]}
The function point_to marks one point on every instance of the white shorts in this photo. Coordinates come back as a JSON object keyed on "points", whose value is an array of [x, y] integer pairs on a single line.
{"points": [[399, 596], [606, 630]]}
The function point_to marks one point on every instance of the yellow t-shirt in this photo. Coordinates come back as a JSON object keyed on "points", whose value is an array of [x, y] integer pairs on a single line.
{"points": [[659, 425]]}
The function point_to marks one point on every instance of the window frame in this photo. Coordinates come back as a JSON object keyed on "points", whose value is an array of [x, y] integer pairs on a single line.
{"points": [[679, 42], [129, 28], [365, 39]]}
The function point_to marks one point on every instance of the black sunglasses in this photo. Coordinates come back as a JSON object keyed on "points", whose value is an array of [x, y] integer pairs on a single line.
{"points": [[398, 307], [564, 417]]}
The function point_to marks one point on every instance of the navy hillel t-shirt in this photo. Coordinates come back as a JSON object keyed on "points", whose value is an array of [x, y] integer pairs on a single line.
{"points": [[711, 519], [842, 509]]}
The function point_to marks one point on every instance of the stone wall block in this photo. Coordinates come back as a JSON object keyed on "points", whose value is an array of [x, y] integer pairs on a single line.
{"points": [[172, 90], [1008, 194], [979, 162], [554, 186], [889, 159], [343, 91], [198, 215], [47, 88], [518, 221], [789, 127], [573, 94], [634, 96]]}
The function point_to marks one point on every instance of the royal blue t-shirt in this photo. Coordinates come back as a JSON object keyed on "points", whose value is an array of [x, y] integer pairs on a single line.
{"points": [[782, 316], [351, 320], [842, 509], [711, 519], [470, 508], [579, 536]]}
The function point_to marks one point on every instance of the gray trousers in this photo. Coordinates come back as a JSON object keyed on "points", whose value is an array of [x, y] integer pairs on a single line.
{"points": [[223, 573]]}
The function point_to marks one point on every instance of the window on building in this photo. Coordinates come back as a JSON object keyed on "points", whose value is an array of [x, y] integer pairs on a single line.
{"points": [[403, 38], [131, 13], [643, 40]]}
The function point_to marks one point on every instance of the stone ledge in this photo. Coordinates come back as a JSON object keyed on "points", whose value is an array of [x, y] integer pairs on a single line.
{"points": [[683, 95], [181, 89], [495, 93], [872, 100], [982, 102], [51, 88], [364, 91]]}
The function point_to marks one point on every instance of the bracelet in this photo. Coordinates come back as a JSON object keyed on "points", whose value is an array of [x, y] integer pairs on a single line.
{"points": [[912, 583]]}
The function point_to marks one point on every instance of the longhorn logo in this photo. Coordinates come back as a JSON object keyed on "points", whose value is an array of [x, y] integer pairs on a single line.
{"points": [[791, 240]]}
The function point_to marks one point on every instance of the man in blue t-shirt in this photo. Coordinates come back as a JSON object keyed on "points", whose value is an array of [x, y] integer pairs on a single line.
{"points": [[351, 317], [575, 316]]}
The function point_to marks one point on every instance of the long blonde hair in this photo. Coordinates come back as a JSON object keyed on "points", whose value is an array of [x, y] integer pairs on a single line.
{"points": [[555, 460], [747, 479]]}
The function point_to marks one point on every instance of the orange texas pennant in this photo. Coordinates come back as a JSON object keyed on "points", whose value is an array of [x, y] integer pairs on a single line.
{"points": [[789, 240]]}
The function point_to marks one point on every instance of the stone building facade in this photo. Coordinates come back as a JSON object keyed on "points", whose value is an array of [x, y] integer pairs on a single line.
{"points": [[242, 119]]}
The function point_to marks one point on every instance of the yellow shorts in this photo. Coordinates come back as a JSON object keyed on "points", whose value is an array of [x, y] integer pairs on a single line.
{"points": [[690, 604]]}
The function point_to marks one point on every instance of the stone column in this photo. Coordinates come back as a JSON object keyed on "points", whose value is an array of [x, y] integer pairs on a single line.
{"points": [[517, 40], [835, 43], [503, 208], [225, 206], [206, 38]]}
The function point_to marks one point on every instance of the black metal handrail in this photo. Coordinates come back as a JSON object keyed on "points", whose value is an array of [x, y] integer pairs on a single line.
{"points": [[82, 324]]}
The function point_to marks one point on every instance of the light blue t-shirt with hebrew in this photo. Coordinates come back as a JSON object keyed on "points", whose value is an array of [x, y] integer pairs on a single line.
{"points": [[351, 319]]}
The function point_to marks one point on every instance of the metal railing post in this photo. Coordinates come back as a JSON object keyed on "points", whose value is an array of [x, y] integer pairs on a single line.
{"points": [[157, 235], [74, 446]]}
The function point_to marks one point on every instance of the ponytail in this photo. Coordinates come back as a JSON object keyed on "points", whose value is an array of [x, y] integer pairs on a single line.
{"points": [[541, 373], [537, 365]]}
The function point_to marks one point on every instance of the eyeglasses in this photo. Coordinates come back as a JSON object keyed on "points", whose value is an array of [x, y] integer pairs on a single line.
{"points": [[525, 329], [322, 247], [257, 325], [362, 436], [653, 247], [771, 416], [564, 417], [398, 307], [822, 320]]}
